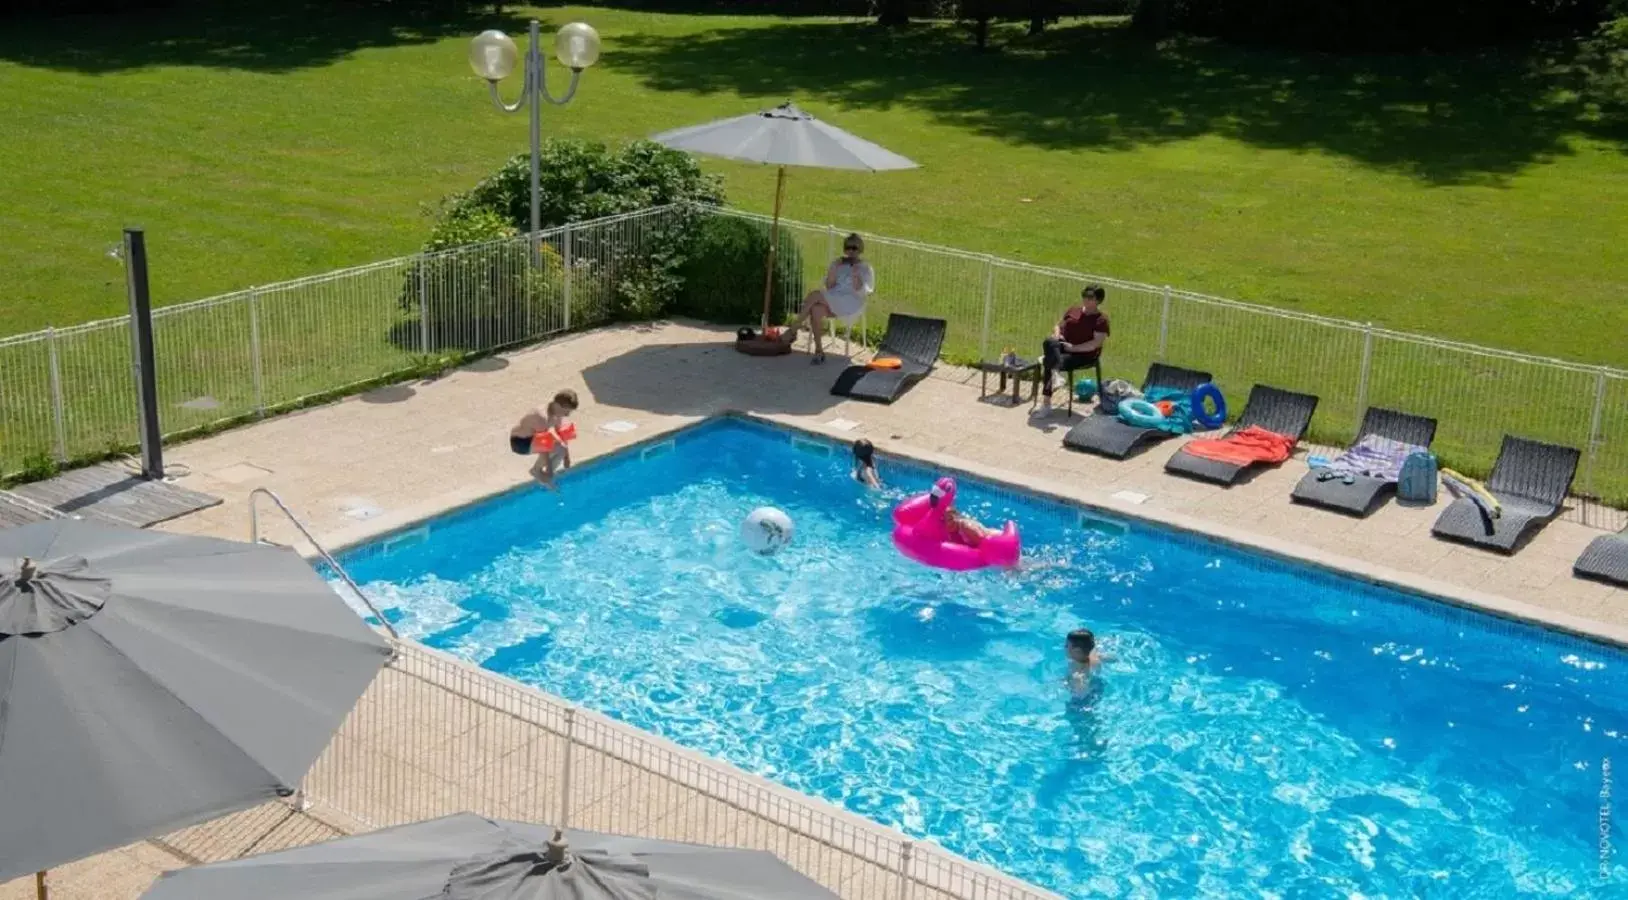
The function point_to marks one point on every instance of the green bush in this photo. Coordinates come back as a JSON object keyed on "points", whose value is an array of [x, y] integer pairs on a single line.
{"points": [[583, 180], [483, 288], [723, 276]]}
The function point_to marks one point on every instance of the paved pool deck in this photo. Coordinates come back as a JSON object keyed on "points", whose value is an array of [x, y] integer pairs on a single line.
{"points": [[376, 462]]}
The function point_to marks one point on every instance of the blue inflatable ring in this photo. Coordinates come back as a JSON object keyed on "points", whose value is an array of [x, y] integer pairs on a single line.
{"points": [[1140, 412], [1208, 391]]}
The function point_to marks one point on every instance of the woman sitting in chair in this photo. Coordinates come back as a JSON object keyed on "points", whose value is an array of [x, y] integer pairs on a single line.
{"points": [[848, 281]]}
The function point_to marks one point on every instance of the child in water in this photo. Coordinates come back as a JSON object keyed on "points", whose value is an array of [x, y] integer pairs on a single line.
{"points": [[554, 420], [865, 464], [1083, 660], [959, 525]]}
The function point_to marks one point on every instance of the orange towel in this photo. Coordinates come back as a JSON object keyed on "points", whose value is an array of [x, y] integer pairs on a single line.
{"points": [[1252, 445]]}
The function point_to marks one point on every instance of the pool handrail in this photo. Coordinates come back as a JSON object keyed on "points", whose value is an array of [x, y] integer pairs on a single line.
{"points": [[254, 538]]}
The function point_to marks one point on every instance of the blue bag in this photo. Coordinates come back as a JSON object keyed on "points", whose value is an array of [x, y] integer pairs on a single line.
{"points": [[1417, 483]]}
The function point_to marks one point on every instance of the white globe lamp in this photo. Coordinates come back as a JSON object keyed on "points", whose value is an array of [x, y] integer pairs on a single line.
{"points": [[493, 55], [576, 46]]}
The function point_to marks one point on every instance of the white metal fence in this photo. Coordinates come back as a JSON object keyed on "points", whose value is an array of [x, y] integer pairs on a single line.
{"points": [[435, 736], [68, 393]]}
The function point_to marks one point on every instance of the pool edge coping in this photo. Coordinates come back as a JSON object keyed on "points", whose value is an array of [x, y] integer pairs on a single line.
{"points": [[342, 540]]}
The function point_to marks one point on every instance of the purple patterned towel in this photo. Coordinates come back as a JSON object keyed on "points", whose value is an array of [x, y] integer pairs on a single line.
{"points": [[1374, 457]]}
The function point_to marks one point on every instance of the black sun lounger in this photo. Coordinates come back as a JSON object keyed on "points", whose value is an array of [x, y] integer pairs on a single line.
{"points": [[1605, 559], [1108, 436], [914, 341], [1365, 494], [1530, 480], [1276, 410]]}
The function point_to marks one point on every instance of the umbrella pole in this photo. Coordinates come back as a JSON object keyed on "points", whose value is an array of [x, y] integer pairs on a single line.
{"points": [[774, 245], [39, 886]]}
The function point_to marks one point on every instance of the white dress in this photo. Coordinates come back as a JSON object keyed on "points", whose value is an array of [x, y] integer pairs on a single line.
{"points": [[845, 302]]}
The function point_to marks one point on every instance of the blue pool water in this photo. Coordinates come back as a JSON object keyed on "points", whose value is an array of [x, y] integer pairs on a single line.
{"points": [[1262, 729]]}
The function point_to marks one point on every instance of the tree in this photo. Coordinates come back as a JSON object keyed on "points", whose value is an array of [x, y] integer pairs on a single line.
{"points": [[978, 15], [1043, 13], [891, 12]]}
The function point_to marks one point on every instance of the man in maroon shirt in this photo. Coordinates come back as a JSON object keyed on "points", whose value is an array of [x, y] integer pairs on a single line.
{"points": [[1077, 340]]}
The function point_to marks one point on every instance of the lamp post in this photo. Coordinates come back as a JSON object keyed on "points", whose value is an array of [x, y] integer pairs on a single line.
{"points": [[492, 54]]}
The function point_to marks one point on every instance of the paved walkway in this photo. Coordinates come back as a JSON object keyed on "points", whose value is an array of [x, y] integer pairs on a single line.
{"points": [[404, 452]]}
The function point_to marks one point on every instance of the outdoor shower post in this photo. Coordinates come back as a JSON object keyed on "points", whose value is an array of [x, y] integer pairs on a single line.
{"points": [[143, 358]]}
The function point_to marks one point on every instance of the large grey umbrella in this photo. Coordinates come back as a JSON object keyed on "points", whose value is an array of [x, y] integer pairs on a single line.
{"points": [[151, 681], [467, 857], [783, 136]]}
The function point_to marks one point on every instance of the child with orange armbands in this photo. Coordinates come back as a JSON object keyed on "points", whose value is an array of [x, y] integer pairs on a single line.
{"points": [[547, 432]]}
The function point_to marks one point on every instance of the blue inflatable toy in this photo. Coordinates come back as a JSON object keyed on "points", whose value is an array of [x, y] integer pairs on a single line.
{"points": [[1085, 389], [1201, 415]]}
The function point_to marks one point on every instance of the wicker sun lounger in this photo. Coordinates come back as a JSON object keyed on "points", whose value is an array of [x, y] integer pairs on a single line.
{"points": [[914, 341], [1605, 559], [1365, 493], [1530, 480], [1278, 411], [1108, 436]]}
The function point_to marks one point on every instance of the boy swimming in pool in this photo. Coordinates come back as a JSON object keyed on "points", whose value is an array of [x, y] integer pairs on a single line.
{"points": [[865, 464], [1083, 660], [552, 420]]}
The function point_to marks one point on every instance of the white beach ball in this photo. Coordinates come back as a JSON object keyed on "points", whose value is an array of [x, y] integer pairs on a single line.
{"points": [[766, 530]]}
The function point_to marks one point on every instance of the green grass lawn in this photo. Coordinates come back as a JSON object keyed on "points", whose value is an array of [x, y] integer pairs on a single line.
{"points": [[1468, 198]]}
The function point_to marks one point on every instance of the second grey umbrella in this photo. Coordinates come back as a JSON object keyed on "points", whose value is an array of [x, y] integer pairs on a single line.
{"points": [[469, 857], [150, 681]]}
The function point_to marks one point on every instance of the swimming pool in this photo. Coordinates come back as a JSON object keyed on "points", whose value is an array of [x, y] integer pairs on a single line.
{"points": [[1264, 729]]}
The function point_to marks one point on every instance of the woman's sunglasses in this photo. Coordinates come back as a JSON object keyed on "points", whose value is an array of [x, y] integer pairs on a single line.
{"points": [[850, 248]]}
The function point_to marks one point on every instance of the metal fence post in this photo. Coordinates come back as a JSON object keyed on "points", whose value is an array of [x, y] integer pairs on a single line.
{"points": [[256, 369], [906, 851], [568, 248], [565, 768], [1164, 324], [1362, 376], [58, 407], [1594, 432], [989, 306], [423, 309]]}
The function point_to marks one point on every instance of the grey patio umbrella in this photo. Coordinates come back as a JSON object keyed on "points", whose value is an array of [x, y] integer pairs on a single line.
{"points": [[783, 136], [151, 681], [468, 857]]}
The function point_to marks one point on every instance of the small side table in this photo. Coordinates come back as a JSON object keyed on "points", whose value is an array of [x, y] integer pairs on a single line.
{"points": [[1013, 371]]}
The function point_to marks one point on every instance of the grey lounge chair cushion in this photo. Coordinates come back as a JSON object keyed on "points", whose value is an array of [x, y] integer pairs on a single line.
{"points": [[1108, 436], [1274, 409], [1530, 480], [914, 341], [1363, 494], [1463, 520], [1358, 498], [1605, 559]]}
